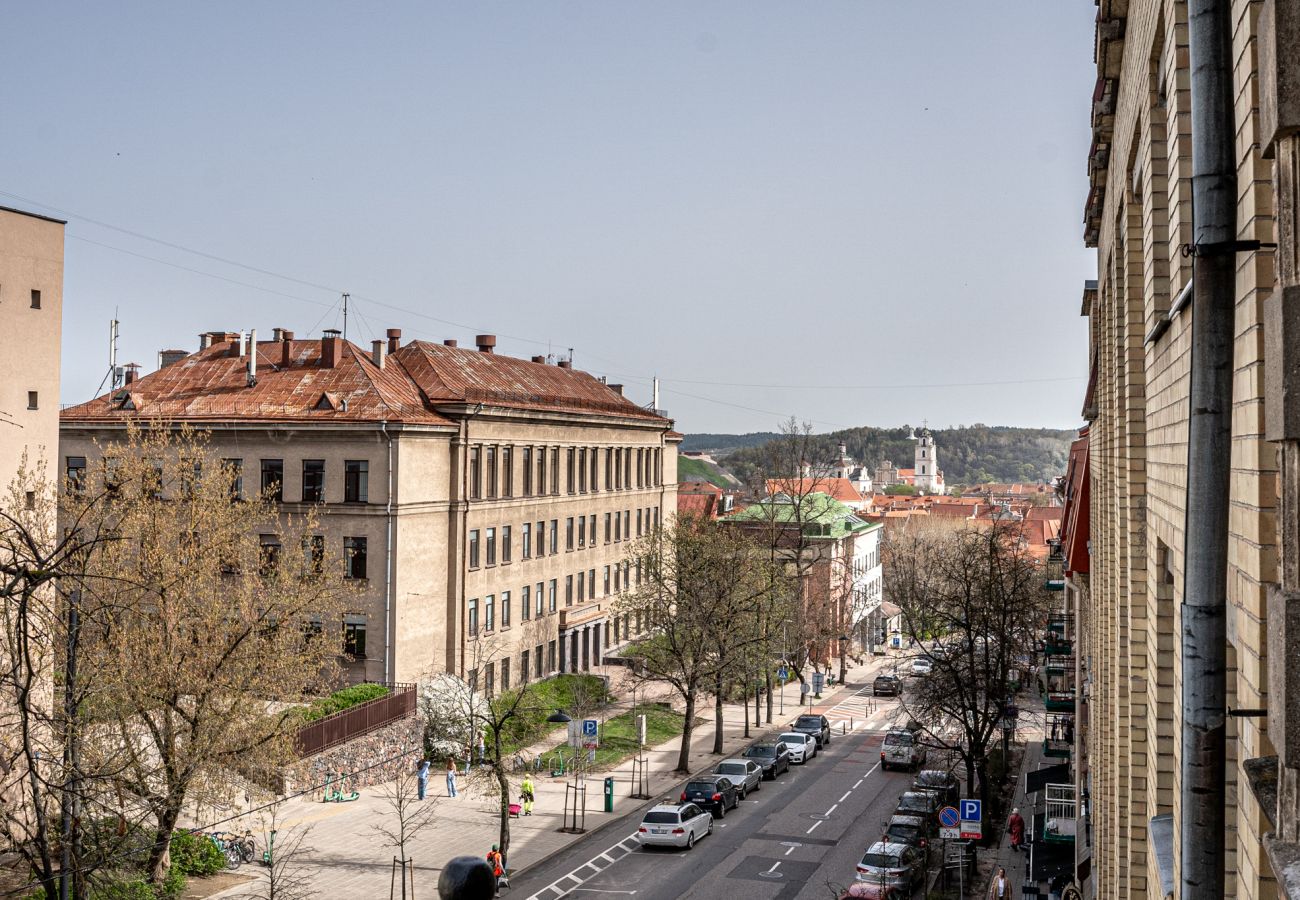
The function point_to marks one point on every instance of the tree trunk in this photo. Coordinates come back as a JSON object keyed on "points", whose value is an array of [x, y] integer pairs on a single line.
{"points": [[758, 704], [717, 714], [160, 853], [688, 726], [503, 784], [768, 682]]}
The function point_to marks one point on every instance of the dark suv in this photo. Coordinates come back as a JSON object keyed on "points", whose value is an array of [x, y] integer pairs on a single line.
{"points": [[714, 793], [887, 686], [815, 726], [772, 758], [922, 804], [944, 784]]}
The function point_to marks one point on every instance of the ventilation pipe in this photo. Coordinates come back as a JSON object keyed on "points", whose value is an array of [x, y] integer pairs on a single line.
{"points": [[252, 358], [450, 342], [486, 343], [394, 336]]}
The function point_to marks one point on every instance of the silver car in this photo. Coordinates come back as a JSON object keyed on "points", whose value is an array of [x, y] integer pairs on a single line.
{"points": [[674, 825], [745, 774], [802, 747]]}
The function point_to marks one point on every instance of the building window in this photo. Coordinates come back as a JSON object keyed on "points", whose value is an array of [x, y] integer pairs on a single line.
{"points": [[656, 517], [505, 543], [36, 299], [591, 583], [526, 541], [473, 548], [525, 603], [618, 527], [475, 472], [505, 669], [234, 470], [627, 468], [640, 467], [550, 595], [550, 657], [541, 539], [29, 500], [606, 581], [490, 536], [591, 529], [595, 468], [75, 471], [541, 471], [555, 536], [356, 481], [313, 553], [555, 471], [526, 461], [638, 521], [313, 480], [268, 554], [354, 636], [33, 400], [582, 532], [582, 470], [618, 469], [539, 600], [489, 686], [627, 524], [492, 473], [507, 472], [609, 527], [354, 557], [582, 586], [609, 468], [523, 666], [273, 479], [471, 617], [489, 612], [568, 590]]}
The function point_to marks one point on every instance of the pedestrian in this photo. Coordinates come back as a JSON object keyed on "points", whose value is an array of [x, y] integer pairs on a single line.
{"points": [[451, 776], [482, 751], [1016, 828], [422, 777], [498, 866], [1000, 888], [528, 792]]}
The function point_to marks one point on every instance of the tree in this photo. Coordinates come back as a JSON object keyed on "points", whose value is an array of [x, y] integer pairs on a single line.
{"points": [[974, 601], [288, 876], [409, 815]]}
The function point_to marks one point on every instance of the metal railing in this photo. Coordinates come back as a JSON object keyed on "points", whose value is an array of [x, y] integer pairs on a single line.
{"points": [[352, 723]]}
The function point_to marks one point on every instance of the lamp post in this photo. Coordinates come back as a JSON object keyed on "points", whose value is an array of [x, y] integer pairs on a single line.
{"points": [[844, 650]]}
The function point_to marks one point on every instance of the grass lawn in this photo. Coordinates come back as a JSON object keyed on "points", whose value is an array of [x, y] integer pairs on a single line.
{"points": [[544, 698], [687, 465], [618, 737]]}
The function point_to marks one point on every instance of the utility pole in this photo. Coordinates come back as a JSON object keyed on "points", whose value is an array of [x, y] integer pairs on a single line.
{"points": [[1204, 606], [346, 298]]}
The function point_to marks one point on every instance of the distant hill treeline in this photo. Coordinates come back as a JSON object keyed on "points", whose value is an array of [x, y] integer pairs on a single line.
{"points": [[967, 455]]}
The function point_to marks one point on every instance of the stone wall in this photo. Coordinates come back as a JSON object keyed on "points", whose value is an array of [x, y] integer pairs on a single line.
{"points": [[375, 757]]}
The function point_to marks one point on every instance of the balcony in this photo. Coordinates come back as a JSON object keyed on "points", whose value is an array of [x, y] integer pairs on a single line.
{"points": [[1060, 691], [1059, 637], [1060, 820], [1058, 740]]}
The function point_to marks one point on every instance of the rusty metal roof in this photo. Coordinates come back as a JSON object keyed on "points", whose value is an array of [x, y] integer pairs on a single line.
{"points": [[212, 385]]}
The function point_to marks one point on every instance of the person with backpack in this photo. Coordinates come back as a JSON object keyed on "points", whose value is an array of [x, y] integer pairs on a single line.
{"points": [[528, 792], [497, 863], [422, 778]]}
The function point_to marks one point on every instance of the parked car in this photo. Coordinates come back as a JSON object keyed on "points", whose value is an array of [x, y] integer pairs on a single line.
{"points": [[670, 825], [714, 793], [773, 758], [918, 803], [913, 830], [817, 726], [802, 747], [944, 784], [887, 686], [745, 774], [922, 666], [901, 749], [891, 865]]}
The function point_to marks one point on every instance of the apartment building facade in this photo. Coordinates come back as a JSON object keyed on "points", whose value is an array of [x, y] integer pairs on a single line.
{"points": [[482, 505], [1126, 595], [31, 313]]}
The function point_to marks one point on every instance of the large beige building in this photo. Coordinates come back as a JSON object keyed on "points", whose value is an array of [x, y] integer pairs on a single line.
{"points": [[483, 504], [1139, 217], [31, 311]]}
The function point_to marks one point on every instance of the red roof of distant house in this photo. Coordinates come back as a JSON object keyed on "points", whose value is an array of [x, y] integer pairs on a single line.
{"points": [[698, 487], [840, 489], [905, 473], [702, 505]]}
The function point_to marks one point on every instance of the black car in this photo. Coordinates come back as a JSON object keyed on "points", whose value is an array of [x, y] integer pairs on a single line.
{"points": [[714, 793], [943, 784], [773, 758], [922, 804], [886, 686], [913, 830], [815, 726]]}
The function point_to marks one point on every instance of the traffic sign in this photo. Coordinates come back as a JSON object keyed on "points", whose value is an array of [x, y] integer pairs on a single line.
{"points": [[972, 812], [590, 734], [783, 673], [949, 834], [819, 681], [948, 817]]}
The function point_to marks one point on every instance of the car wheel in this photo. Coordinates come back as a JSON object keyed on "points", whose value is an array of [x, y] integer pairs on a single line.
{"points": [[722, 809], [690, 838], [740, 795], [758, 785]]}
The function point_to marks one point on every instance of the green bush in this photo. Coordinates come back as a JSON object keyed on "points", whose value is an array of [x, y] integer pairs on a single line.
{"points": [[195, 854], [343, 699]]}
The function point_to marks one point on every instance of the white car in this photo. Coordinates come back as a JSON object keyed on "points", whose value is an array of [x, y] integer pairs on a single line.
{"points": [[922, 666], [802, 747], [674, 825]]}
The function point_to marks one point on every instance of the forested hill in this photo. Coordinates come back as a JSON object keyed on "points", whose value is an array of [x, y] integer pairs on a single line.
{"points": [[968, 455]]}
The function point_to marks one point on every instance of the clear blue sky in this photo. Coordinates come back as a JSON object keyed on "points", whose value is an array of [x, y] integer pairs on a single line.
{"points": [[761, 202]]}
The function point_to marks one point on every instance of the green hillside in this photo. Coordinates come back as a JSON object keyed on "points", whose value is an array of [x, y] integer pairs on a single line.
{"points": [[692, 469]]}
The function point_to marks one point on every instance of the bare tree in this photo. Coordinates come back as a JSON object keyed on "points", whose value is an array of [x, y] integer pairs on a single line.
{"points": [[288, 876], [409, 815]]}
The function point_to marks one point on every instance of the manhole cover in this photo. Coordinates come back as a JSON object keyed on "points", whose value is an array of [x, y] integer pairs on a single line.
{"points": [[816, 816]]}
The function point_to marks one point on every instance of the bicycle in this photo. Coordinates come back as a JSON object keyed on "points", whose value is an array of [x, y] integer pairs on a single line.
{"points": [[228, 844]]}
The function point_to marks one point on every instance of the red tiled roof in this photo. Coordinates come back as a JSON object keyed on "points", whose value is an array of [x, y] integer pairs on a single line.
{"points": [[703, 505], [698, 487], [1044, 513], [906, 473], [211, 385], [459, 375], [840, 489]]}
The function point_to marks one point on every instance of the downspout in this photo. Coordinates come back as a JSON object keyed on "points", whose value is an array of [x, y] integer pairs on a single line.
{"points": [[464, 538], [390, 671], [1209, 452]]}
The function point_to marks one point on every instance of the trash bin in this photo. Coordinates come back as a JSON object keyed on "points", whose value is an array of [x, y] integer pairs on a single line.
{"points": [[609, 794]]}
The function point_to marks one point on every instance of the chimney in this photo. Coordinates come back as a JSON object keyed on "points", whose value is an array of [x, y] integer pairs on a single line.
{"points": [[377, 353], [168, 357], [132, 373], [540, 359], [394, 339], [617, 388], [237, 347], [486, 343], [252, 358], [565, 364], [286, 348], [205, 340], [331, 348], [450, 342], [277, 334]]}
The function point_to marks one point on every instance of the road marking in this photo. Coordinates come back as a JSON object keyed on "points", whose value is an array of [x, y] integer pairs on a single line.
{"points": [[858, 785], [774, 865], [814, 826], [601, 891], [834, 806], [846, 794], [788, 852], [872, 769], [559, 887]]}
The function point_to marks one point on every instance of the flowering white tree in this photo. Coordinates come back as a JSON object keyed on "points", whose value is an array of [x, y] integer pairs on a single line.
{"points": [[452, 713]]}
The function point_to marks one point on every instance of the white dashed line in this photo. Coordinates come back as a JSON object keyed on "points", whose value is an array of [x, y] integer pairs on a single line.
{"points": [[834, 806], [846, 794], [789, 851], [814, 827], [858, 785], [774, 865]]}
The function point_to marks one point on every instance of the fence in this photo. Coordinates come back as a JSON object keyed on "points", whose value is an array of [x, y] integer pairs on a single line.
{"points": [[351, 723]]}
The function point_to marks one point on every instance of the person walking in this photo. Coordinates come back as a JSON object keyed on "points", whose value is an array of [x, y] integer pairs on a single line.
{"points": [[498, 866], [528, 791], [422, 777], [1016, 828], [451, 776], [998, 890]]}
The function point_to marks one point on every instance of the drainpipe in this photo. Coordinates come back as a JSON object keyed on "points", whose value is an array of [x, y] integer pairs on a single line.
{"points": [[464, 538], [1204, 606], [390, 671]]}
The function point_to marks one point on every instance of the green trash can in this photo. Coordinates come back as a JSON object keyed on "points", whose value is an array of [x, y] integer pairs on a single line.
{"points": [[609, 794]]}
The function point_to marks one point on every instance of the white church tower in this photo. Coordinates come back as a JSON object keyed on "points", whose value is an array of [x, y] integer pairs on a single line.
{"points": [[929, 477]]}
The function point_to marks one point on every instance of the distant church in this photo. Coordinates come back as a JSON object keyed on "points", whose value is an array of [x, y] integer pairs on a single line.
{"points": [[925, 475]]}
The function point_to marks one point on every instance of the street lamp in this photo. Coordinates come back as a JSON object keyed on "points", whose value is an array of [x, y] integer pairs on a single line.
{"points": [[844, 650], [575, 809]]}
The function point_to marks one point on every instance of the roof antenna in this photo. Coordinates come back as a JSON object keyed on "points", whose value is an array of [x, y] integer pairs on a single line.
{"points": [[346, 298], [570, 356], [113, 377]]}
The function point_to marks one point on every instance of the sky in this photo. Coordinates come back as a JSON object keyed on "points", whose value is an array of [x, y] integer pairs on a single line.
{"points": [[854, 213]]}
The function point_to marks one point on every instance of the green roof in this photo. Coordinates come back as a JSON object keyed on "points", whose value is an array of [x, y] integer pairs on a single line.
{"points": [[820, 514]]}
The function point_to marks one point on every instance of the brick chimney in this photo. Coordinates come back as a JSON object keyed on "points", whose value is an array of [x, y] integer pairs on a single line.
{"points": [[132, 372], [170, 357], [394, 339], [540, 359], [237, 345], [331, 348], [377, 353], [565, 364], [450, 342], [617, 388], [286, 348], [486, 343]]}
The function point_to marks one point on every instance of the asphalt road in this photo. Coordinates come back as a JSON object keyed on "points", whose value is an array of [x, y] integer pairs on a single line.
{"points": [[797, 838]]}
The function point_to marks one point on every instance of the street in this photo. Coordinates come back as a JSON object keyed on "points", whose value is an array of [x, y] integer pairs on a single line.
{"points": [[800, 836]]}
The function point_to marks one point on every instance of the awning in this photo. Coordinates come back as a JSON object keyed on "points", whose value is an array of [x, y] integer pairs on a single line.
{"points": [[1036, 781]]}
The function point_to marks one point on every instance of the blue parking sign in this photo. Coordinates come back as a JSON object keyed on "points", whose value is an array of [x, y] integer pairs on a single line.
{"points": [[971, 810], [589, 727]]}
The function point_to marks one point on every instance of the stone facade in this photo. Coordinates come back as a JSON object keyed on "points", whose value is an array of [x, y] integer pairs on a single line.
{"points": [[373, 758]]}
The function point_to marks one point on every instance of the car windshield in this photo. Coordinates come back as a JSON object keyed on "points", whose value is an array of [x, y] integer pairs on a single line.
{"points": [[660, 818], [794, 738], [730, 769], [761, 750], [880, 860], [701, 787], [914, 800], [809, 722], [906, 832], [932, 779], [898, 738]]}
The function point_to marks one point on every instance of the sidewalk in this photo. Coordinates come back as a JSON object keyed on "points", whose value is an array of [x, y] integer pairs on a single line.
{"points": [[1017, 862], [346, 857]]}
